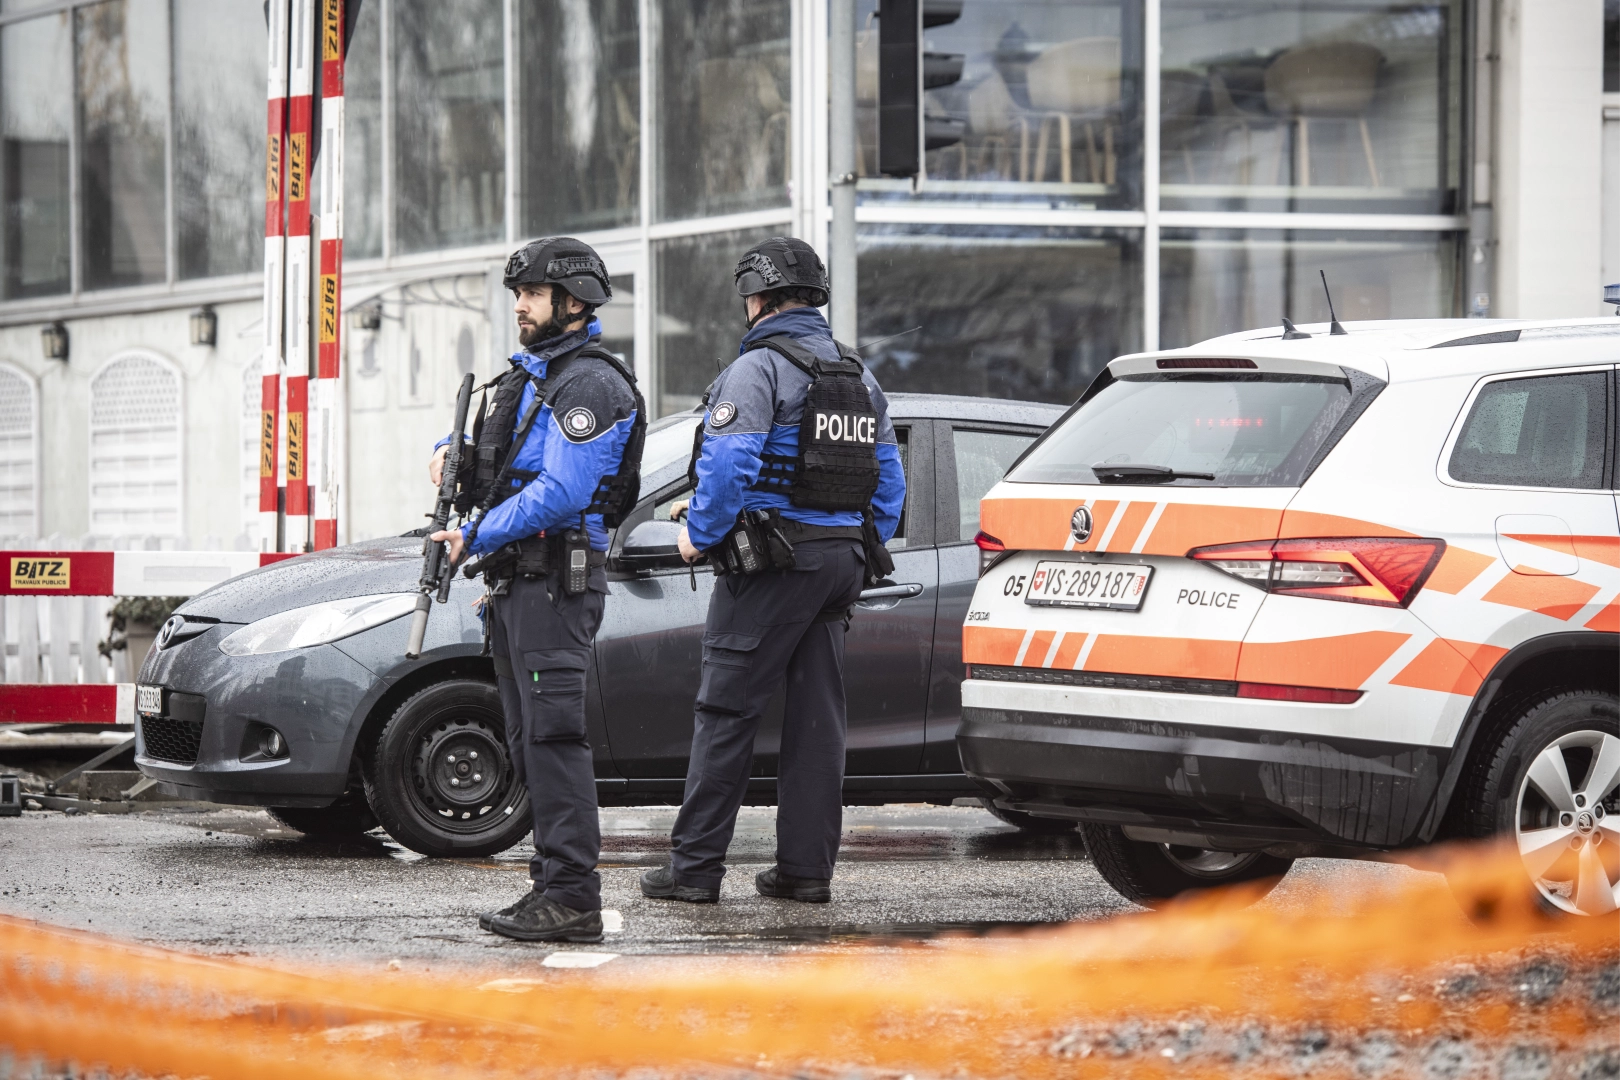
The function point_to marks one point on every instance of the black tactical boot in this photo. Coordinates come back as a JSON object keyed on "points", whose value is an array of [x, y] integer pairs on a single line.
{"points": [[547, 920], [486, 918], [808, 890], [660, 884]]}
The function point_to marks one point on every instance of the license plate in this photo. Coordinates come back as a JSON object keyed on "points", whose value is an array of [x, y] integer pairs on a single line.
{"points": [[1117, 586], [149, 700]]}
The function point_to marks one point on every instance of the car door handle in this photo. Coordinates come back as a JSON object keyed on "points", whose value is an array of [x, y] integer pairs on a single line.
{"points": [[899, 592]]}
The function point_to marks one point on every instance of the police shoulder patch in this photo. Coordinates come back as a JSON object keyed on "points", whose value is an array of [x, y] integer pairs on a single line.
{"points": [[579, 423], [722, 414]]}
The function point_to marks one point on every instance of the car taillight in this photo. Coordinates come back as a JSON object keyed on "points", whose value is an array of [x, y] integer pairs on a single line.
{"points": [[991, 551], [1383, 570]]}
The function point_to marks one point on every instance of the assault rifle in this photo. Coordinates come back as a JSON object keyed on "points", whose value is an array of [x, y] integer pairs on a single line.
{"points": [[437, 569]]}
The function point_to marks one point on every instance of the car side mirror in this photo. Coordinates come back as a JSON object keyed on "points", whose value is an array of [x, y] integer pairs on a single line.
{"points": [[652, 546]]}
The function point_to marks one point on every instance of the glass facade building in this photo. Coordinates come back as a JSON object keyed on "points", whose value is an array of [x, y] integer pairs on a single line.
{"points": [[1114, 174]]}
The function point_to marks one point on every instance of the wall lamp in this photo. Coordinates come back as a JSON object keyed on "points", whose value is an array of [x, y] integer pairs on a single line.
{"points": [[367, 316], [204, 327], [54, 337]]}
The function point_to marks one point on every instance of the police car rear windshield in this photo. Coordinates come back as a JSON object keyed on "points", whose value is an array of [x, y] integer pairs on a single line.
{"points": [[1198, 430]]}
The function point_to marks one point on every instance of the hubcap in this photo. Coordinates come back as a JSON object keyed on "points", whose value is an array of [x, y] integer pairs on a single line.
{"points": [[460, 775], [1202, 862], [1565, 822]]}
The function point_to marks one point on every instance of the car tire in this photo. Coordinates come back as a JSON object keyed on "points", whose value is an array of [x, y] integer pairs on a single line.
{"points": [[439, 777], [348, 817], [1037, 826], [1533, 782], [1153, 874]]}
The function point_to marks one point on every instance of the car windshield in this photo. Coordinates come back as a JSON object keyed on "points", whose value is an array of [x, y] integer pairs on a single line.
{"points": [[1244, 430], [669, 439]]}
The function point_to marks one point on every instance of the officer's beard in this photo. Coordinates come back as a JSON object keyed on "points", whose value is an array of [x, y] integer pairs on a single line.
{"points": [[531, 334]]}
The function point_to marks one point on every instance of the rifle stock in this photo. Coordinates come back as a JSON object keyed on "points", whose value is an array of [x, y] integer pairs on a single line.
{"points": [[437, 569]]}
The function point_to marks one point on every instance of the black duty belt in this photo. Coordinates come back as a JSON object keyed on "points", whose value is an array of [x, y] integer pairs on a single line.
{"points": [[796, 531]]}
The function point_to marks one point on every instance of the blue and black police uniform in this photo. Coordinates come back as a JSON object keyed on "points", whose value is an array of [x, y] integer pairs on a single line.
{"points": [[580, 412], [781, 624]]}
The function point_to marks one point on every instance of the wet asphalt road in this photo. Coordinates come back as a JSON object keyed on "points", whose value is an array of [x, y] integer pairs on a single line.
{"points": [[231, 881]]}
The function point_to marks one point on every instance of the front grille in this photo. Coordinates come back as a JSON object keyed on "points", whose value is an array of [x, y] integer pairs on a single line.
{"points": [[168, 739], [1102, 680]]}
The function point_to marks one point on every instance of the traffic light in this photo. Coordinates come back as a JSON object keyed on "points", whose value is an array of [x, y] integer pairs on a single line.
{"points": [[905, 128]]}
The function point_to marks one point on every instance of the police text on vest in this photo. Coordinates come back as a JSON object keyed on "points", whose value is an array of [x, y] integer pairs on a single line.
{"points": [[846, 427]]}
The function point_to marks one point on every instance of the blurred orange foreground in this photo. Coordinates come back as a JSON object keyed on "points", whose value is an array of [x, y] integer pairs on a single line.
{"points": [[1206, 987]]}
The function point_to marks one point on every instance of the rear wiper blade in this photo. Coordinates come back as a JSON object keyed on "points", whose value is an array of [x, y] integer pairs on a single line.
{"points": [[1108, 473]]}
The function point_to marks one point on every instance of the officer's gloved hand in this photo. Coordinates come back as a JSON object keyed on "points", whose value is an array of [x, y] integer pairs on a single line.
{"points": [[436, 465]]}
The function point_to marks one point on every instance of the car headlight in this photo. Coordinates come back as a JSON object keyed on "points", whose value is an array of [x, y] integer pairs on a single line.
{"points": [[316, 624]]}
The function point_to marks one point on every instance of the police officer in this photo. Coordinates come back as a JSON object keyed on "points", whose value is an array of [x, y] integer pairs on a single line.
{"points": [[549, 459], [791, 518]]}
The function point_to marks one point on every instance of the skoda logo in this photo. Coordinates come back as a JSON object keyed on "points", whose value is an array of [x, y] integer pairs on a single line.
{"points": [[1080, 525], [170, 628]]}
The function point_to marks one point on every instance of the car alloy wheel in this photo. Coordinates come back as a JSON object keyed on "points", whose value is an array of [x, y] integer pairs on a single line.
{"points": [[1202, 862], [1566, 825]]}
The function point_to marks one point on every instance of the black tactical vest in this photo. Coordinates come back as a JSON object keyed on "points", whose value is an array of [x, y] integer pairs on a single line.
{"points": [[499, 432], [836, 467]]}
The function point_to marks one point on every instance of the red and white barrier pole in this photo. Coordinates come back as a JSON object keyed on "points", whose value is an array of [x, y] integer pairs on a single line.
{"points": [[275, 252], [326, 463], [294, 476], [105, 573]]}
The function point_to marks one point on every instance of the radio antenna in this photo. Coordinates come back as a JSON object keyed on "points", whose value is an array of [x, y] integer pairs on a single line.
{"points": [[1334, 328], [1292, 332]]}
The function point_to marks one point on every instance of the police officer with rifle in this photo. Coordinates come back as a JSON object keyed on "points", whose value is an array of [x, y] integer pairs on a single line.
{"points": [[798, 486], [554, 463]]}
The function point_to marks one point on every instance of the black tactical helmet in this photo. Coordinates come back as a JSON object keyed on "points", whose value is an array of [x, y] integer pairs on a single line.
{"points": [[563, 261], [783, 262]]}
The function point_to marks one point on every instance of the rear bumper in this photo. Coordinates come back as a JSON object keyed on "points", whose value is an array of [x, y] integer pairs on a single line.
{"points": [[1248, 787]]}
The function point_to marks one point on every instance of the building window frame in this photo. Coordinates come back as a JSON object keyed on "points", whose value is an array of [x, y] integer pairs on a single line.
{"points": [[806, 213]]}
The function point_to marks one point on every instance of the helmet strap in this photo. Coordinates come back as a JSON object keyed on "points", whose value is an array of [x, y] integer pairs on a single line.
{"points": [[768, 308]]}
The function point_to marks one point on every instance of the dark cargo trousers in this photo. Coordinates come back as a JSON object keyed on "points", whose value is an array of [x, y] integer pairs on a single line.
{"points": [[542, 647], [761, 629]]}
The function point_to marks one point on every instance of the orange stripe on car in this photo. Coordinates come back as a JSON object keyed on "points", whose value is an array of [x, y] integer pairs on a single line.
{"points": [[1068, 651], [990, 645], [1189, 658], [1303, 524], [1563, 543], [1184, 526], [1603, 549], [1039, 646], [1130, 525], [1559, 597], [1606, 619], [1458, 567], [1343, 662], [1451, 667]]}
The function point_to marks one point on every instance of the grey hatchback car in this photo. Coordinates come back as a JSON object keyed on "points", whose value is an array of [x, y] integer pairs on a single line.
{"points": [[288, 687]]}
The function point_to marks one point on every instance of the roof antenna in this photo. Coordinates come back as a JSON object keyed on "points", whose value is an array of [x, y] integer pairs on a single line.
{"points": [[1290, 333], [1334, 328]]}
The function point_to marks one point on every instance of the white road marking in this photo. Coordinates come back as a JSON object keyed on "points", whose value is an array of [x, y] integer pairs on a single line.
{"points": [[578, 959], [612, 921]]}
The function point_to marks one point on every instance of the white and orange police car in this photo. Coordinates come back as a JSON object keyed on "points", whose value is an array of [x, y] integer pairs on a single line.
{"points": [[1314, 593]]}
